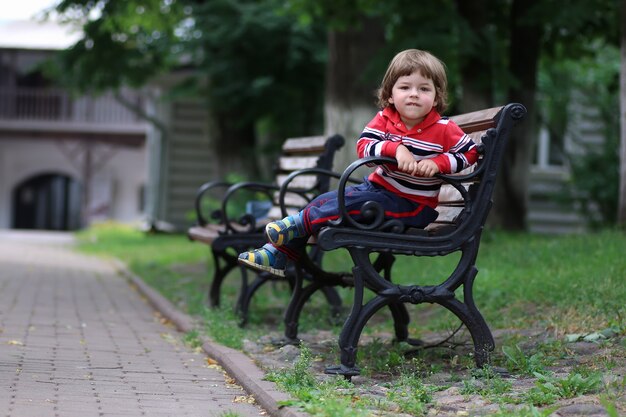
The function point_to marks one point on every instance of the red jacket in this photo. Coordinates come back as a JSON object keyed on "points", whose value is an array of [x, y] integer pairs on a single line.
{"points": [[435, 137]]}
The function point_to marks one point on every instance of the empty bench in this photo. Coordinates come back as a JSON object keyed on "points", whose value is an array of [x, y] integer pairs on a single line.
{"points": [[227, 236]]}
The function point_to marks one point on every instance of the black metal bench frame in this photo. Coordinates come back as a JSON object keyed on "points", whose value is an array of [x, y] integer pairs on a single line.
{"points": [[388, 238]]}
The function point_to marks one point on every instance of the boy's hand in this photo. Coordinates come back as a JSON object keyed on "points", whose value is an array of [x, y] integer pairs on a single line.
{"points": [[427, 168], [406, 160], [408, 164]]}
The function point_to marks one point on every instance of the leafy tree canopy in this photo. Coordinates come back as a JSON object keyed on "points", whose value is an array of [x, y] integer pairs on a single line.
{"points": [[254, 59]]}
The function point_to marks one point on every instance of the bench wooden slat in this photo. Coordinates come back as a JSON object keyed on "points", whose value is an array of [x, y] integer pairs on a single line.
{"points": [[293, 163], [478, 120], [208, 233], [291, 200], [450, 200], [276, 214], [303, 182], [304, 145]]}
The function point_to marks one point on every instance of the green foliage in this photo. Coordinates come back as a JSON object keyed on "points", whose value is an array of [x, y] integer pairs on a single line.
{"points": [[610, 408], [410, 394], [529, 411], [299, 376], [192, 338], [330, 398], [251, 62], [221, 324], [229, 414], [124, 43], [487, 383], [261, 63], [589, 81], [549, 388], [377, 356], [518, 361]]}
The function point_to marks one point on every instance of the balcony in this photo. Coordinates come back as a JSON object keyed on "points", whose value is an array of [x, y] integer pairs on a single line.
{"points": [[53, 112]]}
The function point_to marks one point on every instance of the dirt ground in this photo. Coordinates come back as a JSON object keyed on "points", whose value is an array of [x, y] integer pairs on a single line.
{"points": [[448, 369]]}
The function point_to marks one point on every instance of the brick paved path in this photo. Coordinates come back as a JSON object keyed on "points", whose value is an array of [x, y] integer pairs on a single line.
{"points": [[77, 340]]}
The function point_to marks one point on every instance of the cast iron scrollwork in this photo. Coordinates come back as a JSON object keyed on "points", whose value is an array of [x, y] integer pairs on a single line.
{"points": [[416, 294]]}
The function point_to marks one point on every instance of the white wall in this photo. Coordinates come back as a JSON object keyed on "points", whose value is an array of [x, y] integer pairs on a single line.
{"points": [[118, 181]]}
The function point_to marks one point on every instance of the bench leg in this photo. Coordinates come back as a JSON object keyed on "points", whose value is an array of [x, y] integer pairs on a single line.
{"points": [[299, 297], [245, 294], [353, 326], [467, 312], [220, 272]]}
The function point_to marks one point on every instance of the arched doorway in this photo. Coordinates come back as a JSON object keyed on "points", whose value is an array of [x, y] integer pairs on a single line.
{"points": [[47, 202]]}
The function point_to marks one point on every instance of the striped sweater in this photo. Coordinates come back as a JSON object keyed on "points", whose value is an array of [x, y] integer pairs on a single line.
{"points": [[435, 137]]}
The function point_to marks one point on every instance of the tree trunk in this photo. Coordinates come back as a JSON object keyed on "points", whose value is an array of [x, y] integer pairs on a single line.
{"points": [[621, 208], [350, 97], [511, 193], [476, 86], [235, 147]]}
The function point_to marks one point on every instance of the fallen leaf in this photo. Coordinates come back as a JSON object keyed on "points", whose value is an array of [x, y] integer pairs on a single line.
{"points": [[246, 399], [574, 337]]}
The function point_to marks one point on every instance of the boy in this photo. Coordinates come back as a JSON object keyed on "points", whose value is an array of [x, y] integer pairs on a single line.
{"points": [[409, 127]]}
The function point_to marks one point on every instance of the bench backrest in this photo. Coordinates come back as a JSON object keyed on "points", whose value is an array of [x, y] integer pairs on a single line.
{"points": [[495, 123], [301, 153]]}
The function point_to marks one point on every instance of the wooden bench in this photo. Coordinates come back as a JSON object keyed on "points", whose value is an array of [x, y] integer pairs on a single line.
{"points": [[465, 201], [228, 236]]}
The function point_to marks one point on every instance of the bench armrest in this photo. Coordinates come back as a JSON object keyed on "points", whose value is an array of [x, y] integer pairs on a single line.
{"points": [[372, 212], [284, 189], [245, 219], [202, 190]]}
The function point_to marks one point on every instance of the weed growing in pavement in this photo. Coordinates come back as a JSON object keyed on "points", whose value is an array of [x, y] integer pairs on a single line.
{"points": [[529, 411], [299, 376], [192, 339], [378, 356], [486, 383], [616, 388], [410, 394], [549, 388], [334, 397], [609, 407], [518, 361]]}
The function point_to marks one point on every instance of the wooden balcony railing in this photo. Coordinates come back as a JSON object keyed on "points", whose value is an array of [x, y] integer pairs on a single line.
{"points": [[57, 105]]}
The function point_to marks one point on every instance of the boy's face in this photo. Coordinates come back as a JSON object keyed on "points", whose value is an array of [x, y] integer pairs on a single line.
{"points": [[413, 96]]}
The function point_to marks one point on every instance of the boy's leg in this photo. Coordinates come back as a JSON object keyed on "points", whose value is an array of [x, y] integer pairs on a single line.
{"points": [[320, 211], [325, 208], [280, 232]]}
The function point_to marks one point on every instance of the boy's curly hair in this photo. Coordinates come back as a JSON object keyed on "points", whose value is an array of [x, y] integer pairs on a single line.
{"points": [[406, 63]]}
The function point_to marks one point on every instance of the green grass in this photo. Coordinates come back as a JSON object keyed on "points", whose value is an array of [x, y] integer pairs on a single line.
{"points": [[523, 279], [570, 287]]}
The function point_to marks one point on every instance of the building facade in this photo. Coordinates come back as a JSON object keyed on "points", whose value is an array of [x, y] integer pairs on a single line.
{"points": [[65, 161]]}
